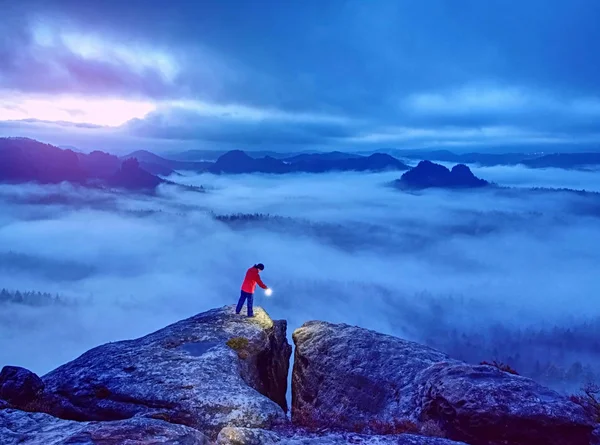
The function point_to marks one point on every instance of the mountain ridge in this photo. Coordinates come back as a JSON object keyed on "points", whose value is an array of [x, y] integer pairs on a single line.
{"points": [[27, 160]]}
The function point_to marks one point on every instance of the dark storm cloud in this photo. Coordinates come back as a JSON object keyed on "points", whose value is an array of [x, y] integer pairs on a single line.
{"points": [[27, 66], [363, 60], [182, 124]]}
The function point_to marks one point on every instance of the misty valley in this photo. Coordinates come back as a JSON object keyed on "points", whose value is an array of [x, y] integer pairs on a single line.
{"points": [[299, 223], [506, 274]]}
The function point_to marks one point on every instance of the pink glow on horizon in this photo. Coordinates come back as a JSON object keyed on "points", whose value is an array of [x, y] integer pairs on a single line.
{"points": [[104, 112]]}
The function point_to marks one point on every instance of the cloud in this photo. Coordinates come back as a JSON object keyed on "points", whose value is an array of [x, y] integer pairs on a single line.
{"points": [[239, 124], [344, 248], [94, 112], [492, 105], [40, 58], [448, 135], [520, 176], [392, 65]]}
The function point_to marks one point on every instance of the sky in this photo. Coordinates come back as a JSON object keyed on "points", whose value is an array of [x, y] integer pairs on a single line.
{"points": [[290, 76]]}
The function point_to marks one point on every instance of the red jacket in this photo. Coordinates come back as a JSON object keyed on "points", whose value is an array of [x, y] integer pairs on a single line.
{"points": [[251, 280]]}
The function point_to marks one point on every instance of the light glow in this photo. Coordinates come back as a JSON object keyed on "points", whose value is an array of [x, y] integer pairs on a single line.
{"points": [[268, 292], [137, 56], [102, 112]]}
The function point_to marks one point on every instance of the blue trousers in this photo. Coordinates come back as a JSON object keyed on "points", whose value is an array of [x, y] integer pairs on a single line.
{"points": [[243, 297]]}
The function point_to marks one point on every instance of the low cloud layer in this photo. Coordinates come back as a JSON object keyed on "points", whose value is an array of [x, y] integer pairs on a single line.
{"points": [[337, 247]]}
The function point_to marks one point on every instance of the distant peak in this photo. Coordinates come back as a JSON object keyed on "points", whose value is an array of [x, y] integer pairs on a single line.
{"points": [[235, 153], [429, 174]]}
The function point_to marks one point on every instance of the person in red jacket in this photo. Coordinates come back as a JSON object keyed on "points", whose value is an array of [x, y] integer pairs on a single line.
{"points": [[251, 279]]}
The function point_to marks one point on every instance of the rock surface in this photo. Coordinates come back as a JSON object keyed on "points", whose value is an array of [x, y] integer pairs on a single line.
{"points": [[185, 373], [596, 437], [346, 376], [350, 377], [221, 376], [249, 436], [22, 428], [483, 405], [19, 386]]}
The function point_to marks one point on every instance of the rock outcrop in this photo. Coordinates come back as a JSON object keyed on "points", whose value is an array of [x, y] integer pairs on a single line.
{"points": [[209, 371], [348, 377], [222, 377], [428, 174], [249, 436], [23, 428], [483, 405], [19, 386]]}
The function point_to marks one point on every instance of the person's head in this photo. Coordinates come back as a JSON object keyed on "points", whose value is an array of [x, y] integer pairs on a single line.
{"points": [[260, 266]]}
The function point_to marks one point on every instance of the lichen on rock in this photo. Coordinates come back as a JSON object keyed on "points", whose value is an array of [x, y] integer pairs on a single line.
{"points": [[237, 343]]}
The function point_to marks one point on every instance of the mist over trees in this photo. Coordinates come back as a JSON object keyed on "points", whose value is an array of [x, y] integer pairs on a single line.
{"points": [[31, 298], [481, 275]]}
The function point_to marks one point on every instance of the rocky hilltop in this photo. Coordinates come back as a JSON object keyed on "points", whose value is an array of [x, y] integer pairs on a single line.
{"points": [[428, 174], [219, 378]]}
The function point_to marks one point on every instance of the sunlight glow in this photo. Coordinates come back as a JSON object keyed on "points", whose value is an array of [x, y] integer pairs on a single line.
{"points": [[103, 112], [89, 46], [137, 58]]}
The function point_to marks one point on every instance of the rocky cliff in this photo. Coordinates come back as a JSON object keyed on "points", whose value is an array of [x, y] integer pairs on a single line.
{"points": [[222, 378], [212, 370], [360, 380]]}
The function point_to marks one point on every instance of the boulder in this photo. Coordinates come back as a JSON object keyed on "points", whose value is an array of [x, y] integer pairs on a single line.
{"points": [[209, 371], [23, 428], [484, 405], [346, 377], [250, 436], [353, 378], [19, 386]]}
